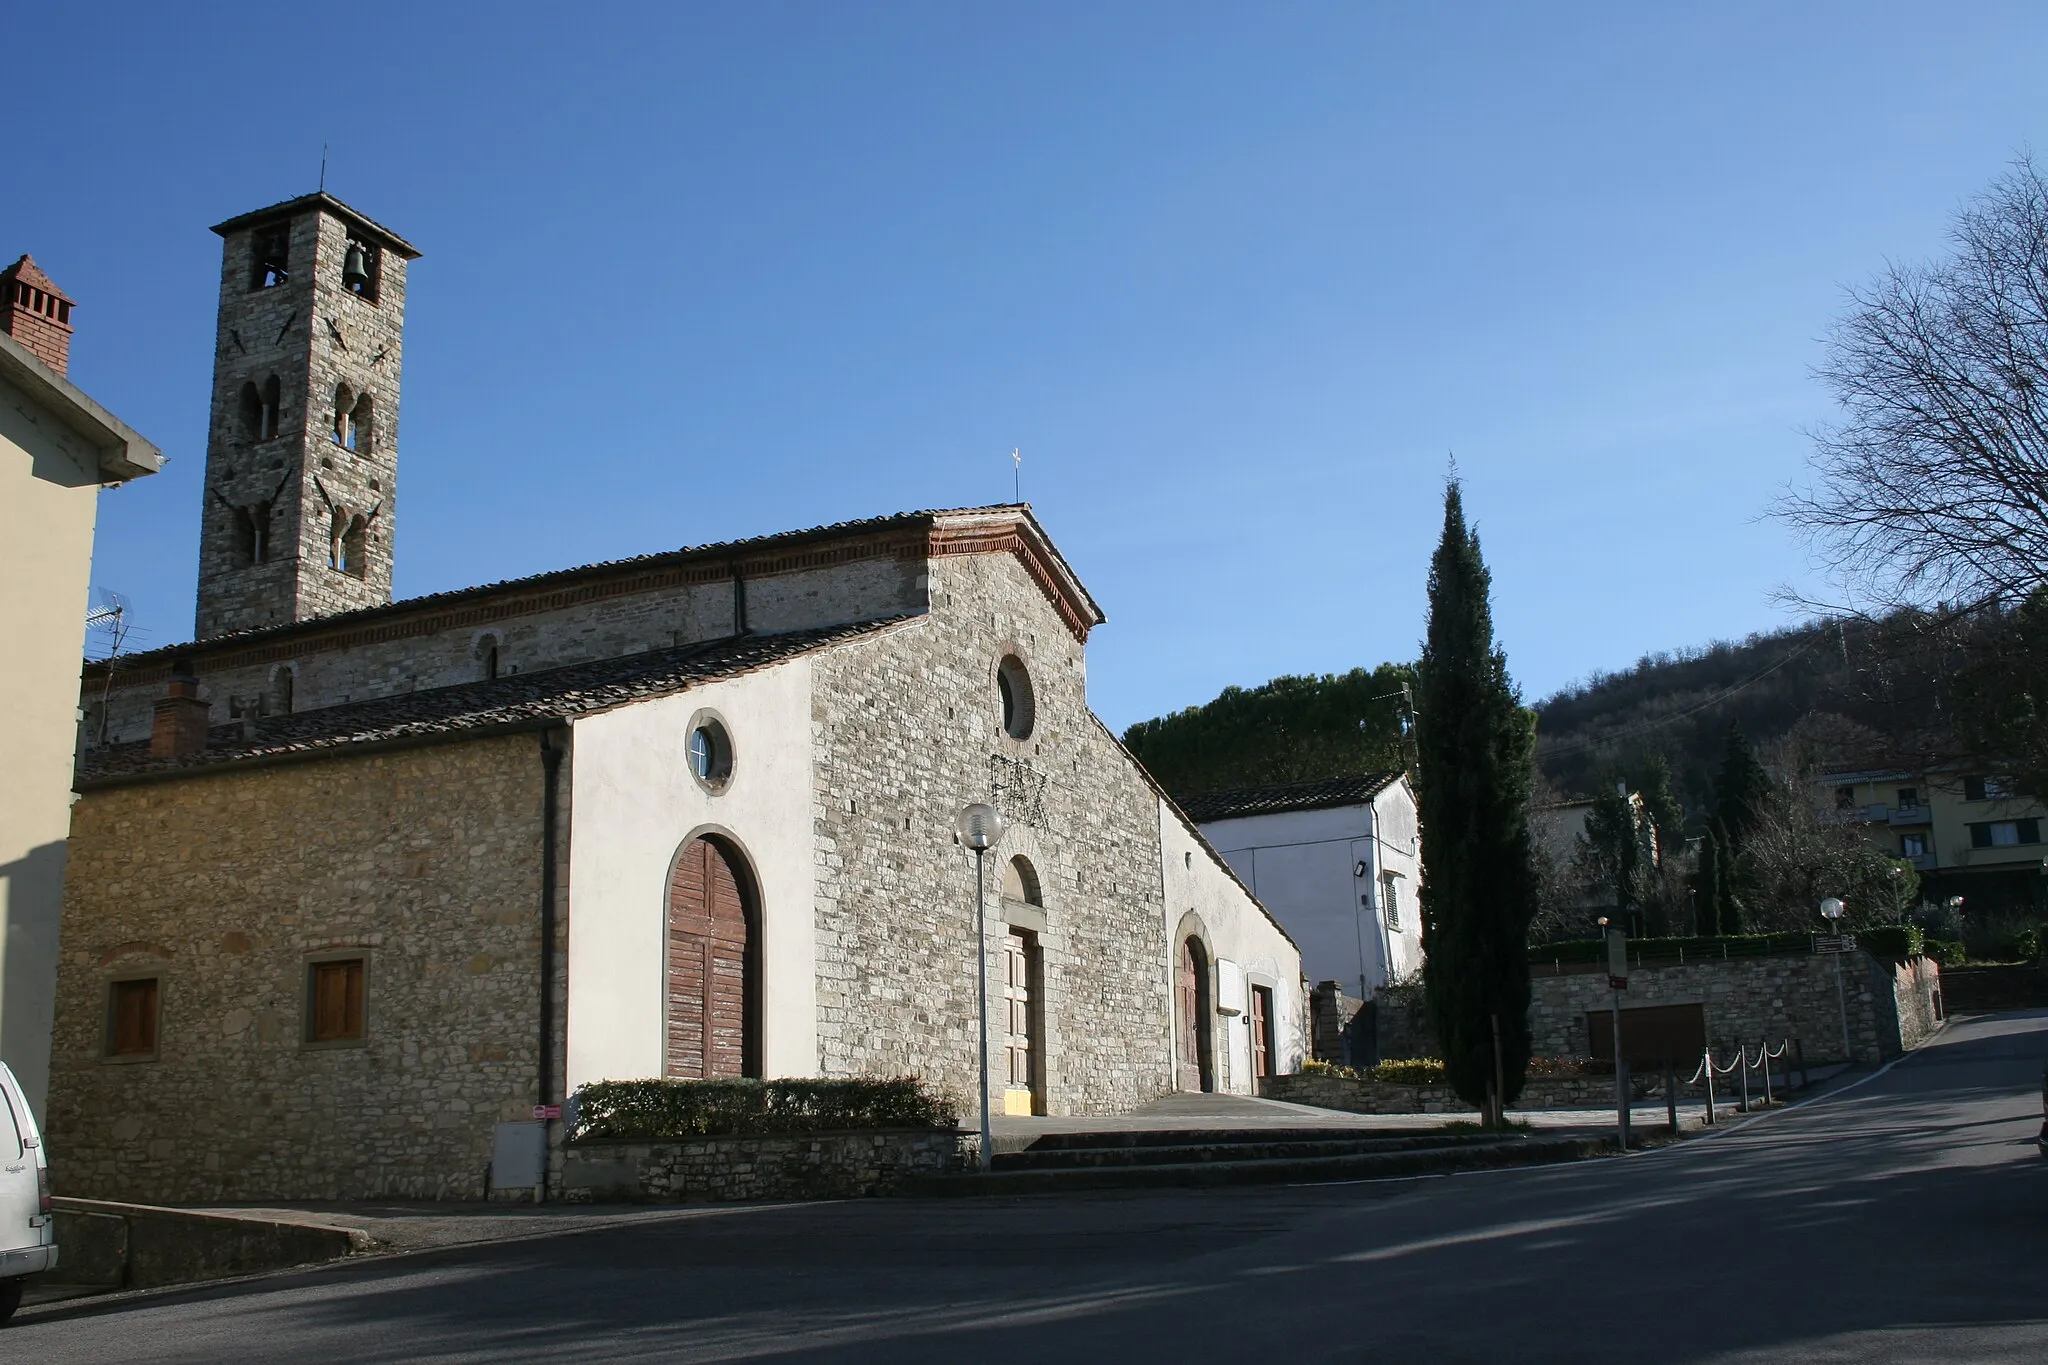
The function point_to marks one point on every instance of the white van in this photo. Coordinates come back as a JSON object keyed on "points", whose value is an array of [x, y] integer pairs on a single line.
{"points": [[28, 1234]]}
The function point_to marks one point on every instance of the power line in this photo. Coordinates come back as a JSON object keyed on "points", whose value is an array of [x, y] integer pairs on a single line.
{"points": [[1715, 700]]}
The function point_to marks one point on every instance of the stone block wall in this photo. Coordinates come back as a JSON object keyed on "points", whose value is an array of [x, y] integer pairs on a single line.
{"points": [[1891, 1007], [906, 730], [223, 886], [536, 627], [840, 1165], [311, 334]]}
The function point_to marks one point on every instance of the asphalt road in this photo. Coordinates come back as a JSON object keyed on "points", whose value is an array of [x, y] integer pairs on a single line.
{"points": [[1905, 1219]]}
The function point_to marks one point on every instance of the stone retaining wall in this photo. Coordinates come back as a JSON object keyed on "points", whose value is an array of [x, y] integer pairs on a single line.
{"points": [[780, 1166], [136, 1246], [1891, 1006]]}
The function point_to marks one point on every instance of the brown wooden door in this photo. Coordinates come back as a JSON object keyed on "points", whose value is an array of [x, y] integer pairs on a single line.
{"points": [[1193, 1031], [1262, 1038], [709, 1033]]}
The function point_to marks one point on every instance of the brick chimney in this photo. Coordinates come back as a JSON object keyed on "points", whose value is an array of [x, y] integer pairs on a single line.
{"points": [[36, 313], [179, 726]]}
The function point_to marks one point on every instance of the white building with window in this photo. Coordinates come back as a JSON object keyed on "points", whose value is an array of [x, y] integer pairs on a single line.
{"points": [[1338, 863]]}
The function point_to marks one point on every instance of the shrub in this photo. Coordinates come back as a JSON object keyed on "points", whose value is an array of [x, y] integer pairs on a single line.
{"points": [[1948, 952], [1559, 1067], [1583, 950], [2026, 945], [1411, 1071], [1896, 941], [657, 1110]]}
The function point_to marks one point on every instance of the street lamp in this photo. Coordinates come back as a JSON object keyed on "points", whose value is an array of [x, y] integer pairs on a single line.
{"points": [[980, 827], [1831, 911]]}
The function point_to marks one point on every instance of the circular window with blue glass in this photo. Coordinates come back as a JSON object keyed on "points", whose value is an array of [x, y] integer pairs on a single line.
{"points": [[710, 751]]}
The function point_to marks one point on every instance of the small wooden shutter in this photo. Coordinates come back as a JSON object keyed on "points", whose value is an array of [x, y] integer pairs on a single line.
{"points": [[337, 1005], [132, 1019]]}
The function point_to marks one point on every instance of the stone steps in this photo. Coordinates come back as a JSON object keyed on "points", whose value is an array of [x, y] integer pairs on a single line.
{"points": [[1230, 1169], [1198, 1148]]}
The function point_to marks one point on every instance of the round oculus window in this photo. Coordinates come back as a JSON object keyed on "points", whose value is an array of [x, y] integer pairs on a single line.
{"points": [[1013, 691], [710, 752]]}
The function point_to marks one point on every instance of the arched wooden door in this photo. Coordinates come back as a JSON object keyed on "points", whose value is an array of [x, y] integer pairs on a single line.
{"points": [[1193, 1016], [710, 967]]}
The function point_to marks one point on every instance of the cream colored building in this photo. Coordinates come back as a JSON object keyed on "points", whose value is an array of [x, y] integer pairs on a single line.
{"points": [[1966, 833], [58, 448]]}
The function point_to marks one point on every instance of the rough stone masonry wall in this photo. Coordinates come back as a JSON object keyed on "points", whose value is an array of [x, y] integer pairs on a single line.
{"points": [[783, 1166], [1748, 1000], [223, 886], [905, 728], [547, 627], [312, 334]]}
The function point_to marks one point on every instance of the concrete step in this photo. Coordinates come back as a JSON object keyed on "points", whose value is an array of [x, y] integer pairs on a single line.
{"points": [[1236, 1147], [1280, 1170]]}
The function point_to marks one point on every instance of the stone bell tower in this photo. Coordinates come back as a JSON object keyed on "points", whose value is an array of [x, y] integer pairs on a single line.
{"points": [[302, 440]]}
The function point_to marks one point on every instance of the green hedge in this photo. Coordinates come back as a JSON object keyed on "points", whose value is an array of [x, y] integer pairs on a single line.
{"points": [[659, 1110], [1949, 952], [1898, 941], [1670, 949]]}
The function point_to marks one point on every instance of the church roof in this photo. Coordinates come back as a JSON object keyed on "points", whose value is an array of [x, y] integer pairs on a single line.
{"points": [[520, 701], [1355, 790], [961, 530]]}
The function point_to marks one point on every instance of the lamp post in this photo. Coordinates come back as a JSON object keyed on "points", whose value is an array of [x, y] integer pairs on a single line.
{"points": [[980, 827], [1831, 911]]}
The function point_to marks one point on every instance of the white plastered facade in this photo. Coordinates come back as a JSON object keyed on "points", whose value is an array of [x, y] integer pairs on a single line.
{"points": [[635, 803], [1245, 947], [1357, 928]]}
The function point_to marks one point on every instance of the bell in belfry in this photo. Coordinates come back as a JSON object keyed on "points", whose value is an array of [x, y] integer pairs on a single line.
{"points": [[355, 268]]}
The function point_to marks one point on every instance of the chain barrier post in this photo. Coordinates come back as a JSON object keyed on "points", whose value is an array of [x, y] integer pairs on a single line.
{"points": [[1799, 1051], [1766, 1050], [1742, 1050], [1707, 1065], [1671, 1093]]}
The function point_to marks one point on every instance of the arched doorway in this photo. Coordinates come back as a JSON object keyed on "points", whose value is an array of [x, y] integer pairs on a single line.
{"points": [[713, 972], [1022, 986], [1195, 1019]]}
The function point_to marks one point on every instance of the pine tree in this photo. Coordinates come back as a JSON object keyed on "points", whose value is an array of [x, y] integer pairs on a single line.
{"points": [[1473, 748]]}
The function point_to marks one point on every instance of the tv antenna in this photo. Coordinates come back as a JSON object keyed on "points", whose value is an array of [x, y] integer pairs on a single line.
{"points": [[1017, 474], [109, 624]]}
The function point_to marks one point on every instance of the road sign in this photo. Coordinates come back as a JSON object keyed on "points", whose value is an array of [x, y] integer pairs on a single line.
{"points": [[1834, 943], [547, 1111]]}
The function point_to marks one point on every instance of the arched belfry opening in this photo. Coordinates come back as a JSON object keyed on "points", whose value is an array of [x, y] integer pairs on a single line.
{"points": [[712, 988], [1194, 1015]]}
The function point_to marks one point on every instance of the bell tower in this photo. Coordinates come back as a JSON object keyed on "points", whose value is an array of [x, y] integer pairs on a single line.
{"points": [[302, 437]]}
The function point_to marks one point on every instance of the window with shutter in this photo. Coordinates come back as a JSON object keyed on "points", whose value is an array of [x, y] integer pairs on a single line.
{"points": [[334, 1001], [131, 1018]]}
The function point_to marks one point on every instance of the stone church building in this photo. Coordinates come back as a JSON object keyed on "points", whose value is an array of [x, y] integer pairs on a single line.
{"points": [[357, 887]]}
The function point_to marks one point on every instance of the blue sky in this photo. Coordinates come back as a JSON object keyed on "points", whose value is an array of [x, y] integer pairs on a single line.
{"points": [[1237, 280]]}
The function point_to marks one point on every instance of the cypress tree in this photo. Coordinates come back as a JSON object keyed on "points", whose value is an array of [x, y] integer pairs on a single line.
{"points": [[1473, 748], [1742, 795], [1706, 883]]}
